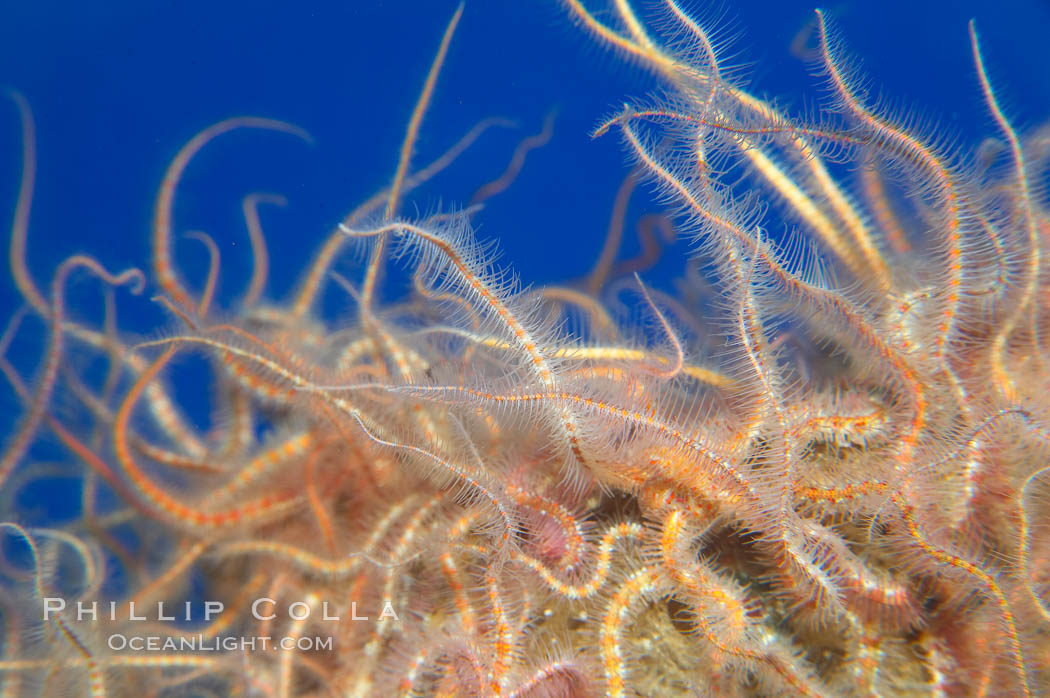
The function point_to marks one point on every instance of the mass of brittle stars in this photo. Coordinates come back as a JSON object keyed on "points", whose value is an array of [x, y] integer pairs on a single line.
{"points": [[820, 469]]}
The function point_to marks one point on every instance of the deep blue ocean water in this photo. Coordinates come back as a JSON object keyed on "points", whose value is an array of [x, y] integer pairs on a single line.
{"points": [[117, 87]]}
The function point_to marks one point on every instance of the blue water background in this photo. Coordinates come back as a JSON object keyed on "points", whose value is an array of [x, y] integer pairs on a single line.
{"points": [[117, 87]]}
